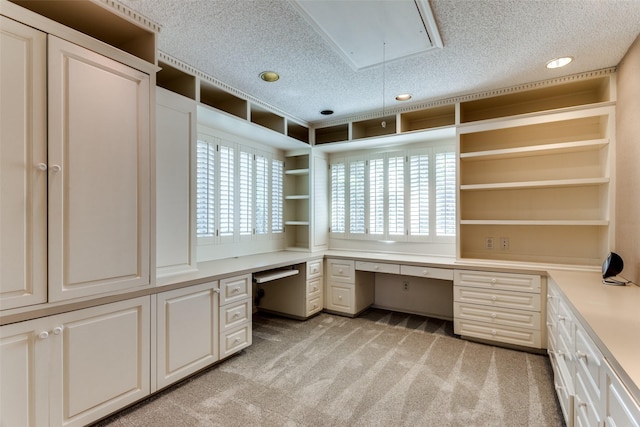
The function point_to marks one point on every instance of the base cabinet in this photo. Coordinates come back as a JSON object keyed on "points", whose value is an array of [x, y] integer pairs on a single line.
{"points": [[187, 332], [235, 314], [74, 368], [347, 292], [499, 307], [589, 391]]}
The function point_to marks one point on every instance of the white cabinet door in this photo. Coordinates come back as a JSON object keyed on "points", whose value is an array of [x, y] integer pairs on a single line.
{"points": [[24, 374], [187, 325], [175, 188], [100, 361], [75, 368], [23, 185], [98, 173]]}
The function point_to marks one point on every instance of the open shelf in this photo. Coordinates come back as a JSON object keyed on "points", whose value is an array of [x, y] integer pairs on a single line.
{"points": [[103, 23], [217, 98], [297, 131], [176, 80], [535, 184], [332, 134], [373, 127], [536, 150], [265, 118], [573, 94], [428, 118]]}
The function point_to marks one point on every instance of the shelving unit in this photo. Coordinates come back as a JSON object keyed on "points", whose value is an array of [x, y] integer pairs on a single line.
{"points": [[373, 127], [176, 80], [332, 134], [217, 98], [535, 187], [265, 118], [428, 118], [297, 198]]}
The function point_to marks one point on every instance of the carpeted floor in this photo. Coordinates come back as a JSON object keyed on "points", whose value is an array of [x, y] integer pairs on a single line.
{"points": [[380, 369]]}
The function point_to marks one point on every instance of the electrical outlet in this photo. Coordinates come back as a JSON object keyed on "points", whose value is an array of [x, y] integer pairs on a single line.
{"points": [[504, 243], [405, 285], [488, 243]]}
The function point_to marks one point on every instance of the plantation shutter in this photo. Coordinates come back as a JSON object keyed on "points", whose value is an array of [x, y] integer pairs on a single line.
{"points": [[205, 189], [338, 198], [226, 190], [445, 193], [356, 197], [245, 193], [376, 196], [277, 212], [262, 195], [396, 196], [419, 195]]}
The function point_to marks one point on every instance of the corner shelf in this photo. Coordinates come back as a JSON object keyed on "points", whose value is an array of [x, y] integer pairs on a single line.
{"points": [[297, 192]]}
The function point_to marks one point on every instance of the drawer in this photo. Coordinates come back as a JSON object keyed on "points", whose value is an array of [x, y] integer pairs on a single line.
{"points": [[586, 411], [589, 362], [235, 340], [234, 289], [434, 273], [563, 391], [497, 315], [341, 270], [564, 321], [378, 267], [314, 305], [498, 333], [620, 408], [494, 298], [314, 286], [232, 315], [500, 281], [314, 269], [340, 298]]}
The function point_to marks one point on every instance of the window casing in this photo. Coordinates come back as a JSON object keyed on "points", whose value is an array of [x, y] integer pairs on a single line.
{"points": [[406, 195]]}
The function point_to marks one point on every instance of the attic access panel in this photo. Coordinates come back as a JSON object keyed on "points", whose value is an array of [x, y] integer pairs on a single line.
{"points": [[358, 30]]}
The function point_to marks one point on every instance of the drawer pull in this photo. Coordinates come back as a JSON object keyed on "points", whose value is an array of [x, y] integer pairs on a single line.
{"points": [[493, 298], [425, 272], [315, 288], [340, 297], [236, 290], [494, 280], [340, 271], [493, 315], [581, 355], [494, 332], [562, 318], [57, 330], [43, 335], [237, 340], [376, 267], [236, 315]]}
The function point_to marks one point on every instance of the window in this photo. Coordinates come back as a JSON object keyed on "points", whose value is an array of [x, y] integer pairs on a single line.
{"points": [[238, 192], [407, 195]]}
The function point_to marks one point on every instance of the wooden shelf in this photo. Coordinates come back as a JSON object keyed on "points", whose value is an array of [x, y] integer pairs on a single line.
{"points": [[502, 222], [536, 150], [304, 171], [373, 127], [265, 118], [296, 223], [536, 184], [298, 197], [332, 134], [298, 131]]}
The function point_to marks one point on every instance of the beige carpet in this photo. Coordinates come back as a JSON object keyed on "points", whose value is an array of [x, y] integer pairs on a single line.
{"points": [[381, 369]]}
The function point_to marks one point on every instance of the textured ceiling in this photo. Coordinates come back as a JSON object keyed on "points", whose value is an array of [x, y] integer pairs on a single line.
{"points": [[488, 44]]}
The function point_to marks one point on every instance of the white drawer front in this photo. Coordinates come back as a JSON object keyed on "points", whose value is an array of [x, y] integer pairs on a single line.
{"points": [[499, 333], [235, 340], [378, 267], [494, 298], [501, 281], [340, 298], [314, 286], [590, 362], [434, 273], [314, 269], [564, 392], [586, 411], [620, 408], [235, 288], [233, 315], [497, 315], [314, 305], [565, 321], [341, 270]]}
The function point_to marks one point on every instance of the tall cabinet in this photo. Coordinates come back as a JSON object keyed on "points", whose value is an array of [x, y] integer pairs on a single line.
{"points": [[79, 145]]}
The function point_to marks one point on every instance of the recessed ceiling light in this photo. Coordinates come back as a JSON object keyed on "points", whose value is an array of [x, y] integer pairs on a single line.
{"points": [[559, 62], [326, 112], [269, 76], [403, 97]]}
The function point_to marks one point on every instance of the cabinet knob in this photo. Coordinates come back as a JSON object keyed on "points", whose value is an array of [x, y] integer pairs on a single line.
{"points": [[425, 272], [42, 166], [236, 290], [340, 298], [340, 271], [216, 290], [56, 168], [376, 267], [237, 340], [493, 315], [493, 332], [493, 298], [57, 330], [581, 355], [315, 288], [43, 335], [493, 280], [236, 315]]}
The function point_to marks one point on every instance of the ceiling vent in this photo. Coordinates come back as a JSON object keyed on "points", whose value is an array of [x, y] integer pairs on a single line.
{"points": [[358, 30]]}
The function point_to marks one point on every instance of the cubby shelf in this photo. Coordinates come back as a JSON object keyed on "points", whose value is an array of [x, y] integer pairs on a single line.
{"points": [[536, 184], [536, 150]]}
